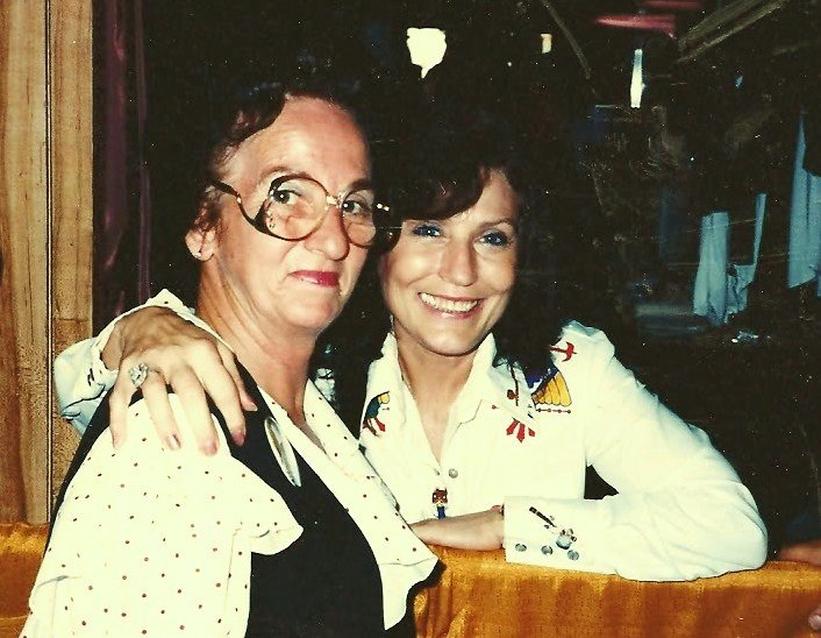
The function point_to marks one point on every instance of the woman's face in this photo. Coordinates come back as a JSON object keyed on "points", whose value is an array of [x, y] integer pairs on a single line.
{"points": [[298, 285], [447, 282]]}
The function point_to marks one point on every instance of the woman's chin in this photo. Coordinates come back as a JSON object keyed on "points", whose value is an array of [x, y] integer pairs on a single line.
{"points": [[311, 318], [448, 345]]}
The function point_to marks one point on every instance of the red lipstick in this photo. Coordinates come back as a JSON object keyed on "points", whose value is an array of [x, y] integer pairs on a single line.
{"points": [[327, 278]]}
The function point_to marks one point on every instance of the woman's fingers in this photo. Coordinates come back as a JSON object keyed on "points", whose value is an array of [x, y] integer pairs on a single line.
{"points": [[815, 619], [155, 394], [230, 363], [231, 400], [480, 530], [118, 401], [806, 552], [189, 389], [190, 360]]}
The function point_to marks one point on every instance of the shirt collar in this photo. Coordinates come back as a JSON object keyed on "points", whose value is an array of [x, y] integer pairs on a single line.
{"points": [[502, 385]]}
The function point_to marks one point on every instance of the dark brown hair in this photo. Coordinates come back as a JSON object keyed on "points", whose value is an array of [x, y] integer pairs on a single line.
{"points": [[440, 168]]}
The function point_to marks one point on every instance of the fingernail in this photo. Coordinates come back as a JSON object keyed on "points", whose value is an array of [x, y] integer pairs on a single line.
{"points": [[815, 622], [250, 405], [209, 448], [173, 442], [239, 437], [115, 441]]}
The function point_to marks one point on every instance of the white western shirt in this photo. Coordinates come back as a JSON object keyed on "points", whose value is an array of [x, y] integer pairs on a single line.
{"points": [[681, 511]]}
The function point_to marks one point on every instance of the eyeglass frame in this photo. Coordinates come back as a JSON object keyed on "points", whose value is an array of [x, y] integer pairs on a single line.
{"points": [[330, 200]]}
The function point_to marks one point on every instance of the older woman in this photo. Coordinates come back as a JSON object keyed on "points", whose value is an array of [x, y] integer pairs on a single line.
{"points": [[291, 534], [479, 420]]}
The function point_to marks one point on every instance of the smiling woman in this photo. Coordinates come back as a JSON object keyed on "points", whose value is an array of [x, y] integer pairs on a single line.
{"points": [[449, 281]]}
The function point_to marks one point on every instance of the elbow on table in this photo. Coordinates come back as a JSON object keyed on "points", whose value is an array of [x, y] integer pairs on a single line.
{"points": [[747, 545]]}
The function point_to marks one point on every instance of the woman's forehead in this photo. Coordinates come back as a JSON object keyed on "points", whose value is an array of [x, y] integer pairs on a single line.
{"points": [[497, 202], [312, 137]]}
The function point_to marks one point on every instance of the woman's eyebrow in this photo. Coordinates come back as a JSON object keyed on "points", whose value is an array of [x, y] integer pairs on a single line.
{"points": [[501, 220], [275, 172], [360, 185]]}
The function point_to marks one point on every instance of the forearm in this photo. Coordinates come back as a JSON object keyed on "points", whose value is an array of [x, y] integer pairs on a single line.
{"points": [[679, 533]]}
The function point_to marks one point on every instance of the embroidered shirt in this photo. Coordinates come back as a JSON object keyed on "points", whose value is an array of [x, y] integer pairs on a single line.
{"points": [[525, 441]]}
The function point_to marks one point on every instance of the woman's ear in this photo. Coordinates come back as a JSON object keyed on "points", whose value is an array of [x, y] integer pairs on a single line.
{"points": [[201, 239]]}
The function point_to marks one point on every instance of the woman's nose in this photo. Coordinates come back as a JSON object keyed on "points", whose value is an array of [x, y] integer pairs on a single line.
{"points": [[458, 263], [330, 237]]}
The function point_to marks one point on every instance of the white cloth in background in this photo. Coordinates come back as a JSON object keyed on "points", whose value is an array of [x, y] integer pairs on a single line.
{"points": [[804, 264], [742, 275], [710, 290], [721, 286]]}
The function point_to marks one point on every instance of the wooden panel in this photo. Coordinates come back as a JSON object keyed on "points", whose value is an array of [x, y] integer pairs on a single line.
{"points": [[23, 192], [71, 168], [45, 232]]}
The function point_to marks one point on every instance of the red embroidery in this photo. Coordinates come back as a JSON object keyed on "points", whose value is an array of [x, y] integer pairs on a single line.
{"points": [[568, 352], [519, 428]]}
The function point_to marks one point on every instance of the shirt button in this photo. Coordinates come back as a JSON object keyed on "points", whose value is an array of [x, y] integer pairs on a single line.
{"points": [[547, 549], [520, 547], [573, 555], [453, 472]]}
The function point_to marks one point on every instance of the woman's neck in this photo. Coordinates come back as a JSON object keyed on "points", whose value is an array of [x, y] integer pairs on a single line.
{"points": [[276, 358], [435, 382]]}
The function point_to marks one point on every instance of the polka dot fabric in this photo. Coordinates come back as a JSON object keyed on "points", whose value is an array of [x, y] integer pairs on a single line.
{"points": [[403, 559], [154, 542]]}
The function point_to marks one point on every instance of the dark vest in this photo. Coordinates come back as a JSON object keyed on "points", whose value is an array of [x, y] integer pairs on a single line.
{"points": [[327, 582]]}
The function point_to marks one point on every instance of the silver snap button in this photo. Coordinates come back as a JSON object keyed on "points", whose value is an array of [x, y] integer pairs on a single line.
{"points": [[520, 547], [573, 554], [453, 472], [547, 549]]}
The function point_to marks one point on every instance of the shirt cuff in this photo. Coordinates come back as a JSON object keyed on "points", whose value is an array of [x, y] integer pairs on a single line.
{"points": [[554, 532]]}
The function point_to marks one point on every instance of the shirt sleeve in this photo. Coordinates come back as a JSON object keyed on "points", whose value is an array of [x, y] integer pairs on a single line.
{"points": [[81, 378], [155, 542], [681, 511]]}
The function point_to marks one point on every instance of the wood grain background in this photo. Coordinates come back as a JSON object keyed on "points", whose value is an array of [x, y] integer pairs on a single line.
{"points": [[45, 236]]}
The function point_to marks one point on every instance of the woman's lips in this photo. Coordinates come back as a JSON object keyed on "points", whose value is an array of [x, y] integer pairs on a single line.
{"points": [[449, 305], [327, 278]]}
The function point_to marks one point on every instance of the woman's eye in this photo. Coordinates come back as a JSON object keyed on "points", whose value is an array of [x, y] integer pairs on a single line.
{"points": [[356, 208], [496, 238], [281, 196], [426, 230]]}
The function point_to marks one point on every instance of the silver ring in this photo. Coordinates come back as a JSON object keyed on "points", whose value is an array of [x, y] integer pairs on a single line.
{"points": [[138, 374]]}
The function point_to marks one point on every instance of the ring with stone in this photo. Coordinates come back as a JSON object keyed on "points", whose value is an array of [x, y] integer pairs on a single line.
{"points": [[138, 374]]}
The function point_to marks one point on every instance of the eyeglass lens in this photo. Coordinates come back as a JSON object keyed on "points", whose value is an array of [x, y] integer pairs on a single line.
{"points": [[295, 207]]}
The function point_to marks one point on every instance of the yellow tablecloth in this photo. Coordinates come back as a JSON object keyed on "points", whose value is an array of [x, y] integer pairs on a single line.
{"points": [[480, 595]]}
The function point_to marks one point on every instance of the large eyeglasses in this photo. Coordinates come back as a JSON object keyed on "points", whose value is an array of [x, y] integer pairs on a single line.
{"points": [[296, 205]]}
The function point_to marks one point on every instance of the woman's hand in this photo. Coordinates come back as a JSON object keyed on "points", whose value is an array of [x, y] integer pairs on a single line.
{"points": [[808, 552], [480, 530], [190, 360]]}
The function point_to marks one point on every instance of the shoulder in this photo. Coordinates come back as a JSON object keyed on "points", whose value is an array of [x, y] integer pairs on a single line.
{"points": [[578, 346], [569, 366]]}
